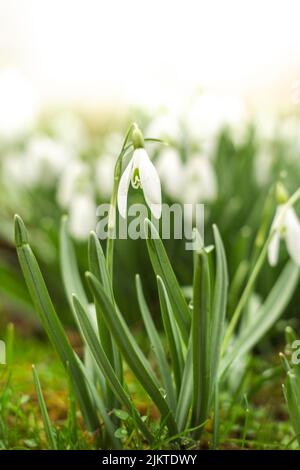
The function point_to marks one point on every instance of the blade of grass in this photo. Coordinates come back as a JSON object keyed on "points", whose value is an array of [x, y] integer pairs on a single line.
{"points": [[51, 438], [157, 346]]}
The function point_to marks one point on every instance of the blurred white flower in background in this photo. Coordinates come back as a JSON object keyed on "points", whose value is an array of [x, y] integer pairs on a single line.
{"points": [[15, 170], [286, 226], [166, 126], [75, 177], [69, 129], [105, 166], [191, 182], [19, 107], [200, 184], [113, 143], [263, 166], [47, 159], [266, 126], [82, 214], [210, 113], [76, 195], [39, 164], [170, 170]]}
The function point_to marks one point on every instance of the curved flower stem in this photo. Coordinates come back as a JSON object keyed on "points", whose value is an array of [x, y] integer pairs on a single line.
{"points": [[246, 293], [113, 204]]}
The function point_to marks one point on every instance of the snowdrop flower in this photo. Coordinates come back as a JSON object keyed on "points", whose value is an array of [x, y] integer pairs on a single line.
{"points": [[82, 215], [286, 226], [142, 174], [199, 179], [170, 170]]}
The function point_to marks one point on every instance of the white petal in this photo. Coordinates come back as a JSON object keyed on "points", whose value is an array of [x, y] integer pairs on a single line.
{"points": [[293, 235], [150, 183], [273, 249], [123, 189]]}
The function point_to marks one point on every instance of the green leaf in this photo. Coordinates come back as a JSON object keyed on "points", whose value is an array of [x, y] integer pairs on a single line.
{"points": [[98, 267], [157, 346], [219, 306], [130, 350], [171, 333], [186, 391], [292, 396], [105, 366], [46, 420], [201, 347], [267, 315], [50, 321], [122, 415], [109, 425], [163, 268], [69, 268]]}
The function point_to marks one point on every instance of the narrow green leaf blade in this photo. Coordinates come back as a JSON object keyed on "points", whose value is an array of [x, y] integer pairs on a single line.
{"points": [[201, 327], [157, 346], [219, 305], [50, 321], [171, 333], [106, 368], [163, 268], [46, 420]]}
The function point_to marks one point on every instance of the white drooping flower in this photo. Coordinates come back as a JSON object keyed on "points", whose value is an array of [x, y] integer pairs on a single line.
{"points": [[286, 226], [141, 172], [82, 215]]}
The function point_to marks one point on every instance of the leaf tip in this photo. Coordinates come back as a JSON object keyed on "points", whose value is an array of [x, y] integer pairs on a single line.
{"points": [[21, 236]]}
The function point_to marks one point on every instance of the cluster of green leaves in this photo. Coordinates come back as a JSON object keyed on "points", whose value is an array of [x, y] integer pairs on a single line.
{"points": [[191, 370]]}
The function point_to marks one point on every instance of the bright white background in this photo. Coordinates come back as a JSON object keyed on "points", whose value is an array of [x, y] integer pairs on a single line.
{"points": [[129, 51]]}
